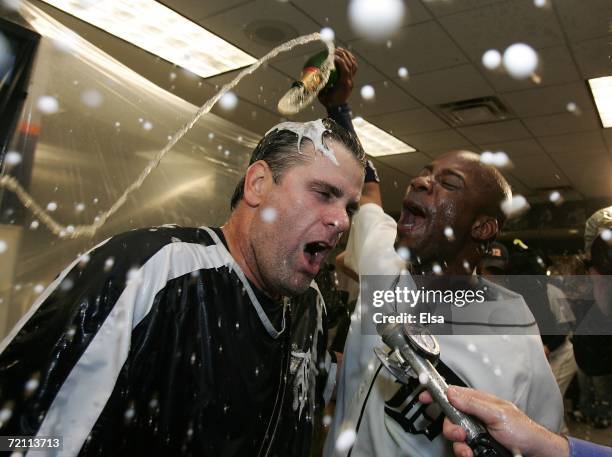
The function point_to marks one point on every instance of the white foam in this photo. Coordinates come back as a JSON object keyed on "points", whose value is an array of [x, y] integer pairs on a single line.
{"points": [[313, 130]]}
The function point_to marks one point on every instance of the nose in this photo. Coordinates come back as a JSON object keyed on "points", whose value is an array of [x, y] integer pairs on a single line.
{"points": [[339, 219], [422, 183]]}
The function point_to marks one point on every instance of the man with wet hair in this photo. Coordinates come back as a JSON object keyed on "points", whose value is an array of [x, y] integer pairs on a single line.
{"points": [[195, 341], [450, 214], [278, 149]]}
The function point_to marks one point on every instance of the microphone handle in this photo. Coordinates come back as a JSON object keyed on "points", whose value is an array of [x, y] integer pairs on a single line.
{"points": [[481, 442]]}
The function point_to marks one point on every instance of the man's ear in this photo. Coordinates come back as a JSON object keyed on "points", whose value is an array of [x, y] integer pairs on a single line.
{"points": [[257, 181], [484, 228]]}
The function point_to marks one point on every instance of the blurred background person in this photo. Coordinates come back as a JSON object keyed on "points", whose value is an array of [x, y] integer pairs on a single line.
{"points": [[593, 341], [524, 271]]}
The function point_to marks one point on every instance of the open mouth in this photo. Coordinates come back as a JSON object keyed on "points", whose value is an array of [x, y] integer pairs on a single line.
{"points": [[315, 253], [414, 216]]}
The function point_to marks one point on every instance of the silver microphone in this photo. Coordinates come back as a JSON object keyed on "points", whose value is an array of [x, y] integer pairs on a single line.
{"points": [[415, 351]]}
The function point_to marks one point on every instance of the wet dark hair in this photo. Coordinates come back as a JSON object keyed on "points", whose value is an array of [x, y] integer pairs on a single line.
{"points": [[279, 149]]}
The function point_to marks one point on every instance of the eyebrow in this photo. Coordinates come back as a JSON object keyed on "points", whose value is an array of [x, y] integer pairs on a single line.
{"points": [[447, 171], [336, 192]]}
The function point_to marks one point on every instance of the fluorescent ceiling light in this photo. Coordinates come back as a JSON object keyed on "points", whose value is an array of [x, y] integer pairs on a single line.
{"points": [[159, 30], [377, 142], [602, 93]]}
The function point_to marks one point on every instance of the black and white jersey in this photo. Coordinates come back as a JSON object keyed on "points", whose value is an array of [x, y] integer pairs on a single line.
{"points": [[155, 343]]}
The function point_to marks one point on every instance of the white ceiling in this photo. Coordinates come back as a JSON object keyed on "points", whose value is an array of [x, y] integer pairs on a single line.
{"points": [[441, 44]]}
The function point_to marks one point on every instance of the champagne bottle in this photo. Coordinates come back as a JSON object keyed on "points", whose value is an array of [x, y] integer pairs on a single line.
{"points": [[312, 76], [304, 91]]}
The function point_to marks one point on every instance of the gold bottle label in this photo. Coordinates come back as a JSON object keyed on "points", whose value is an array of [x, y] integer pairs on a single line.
{"points": [[311, 78]]}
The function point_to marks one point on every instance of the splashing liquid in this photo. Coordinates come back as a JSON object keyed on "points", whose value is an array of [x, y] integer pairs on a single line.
{"points": [[10, 183], [317, 73]]}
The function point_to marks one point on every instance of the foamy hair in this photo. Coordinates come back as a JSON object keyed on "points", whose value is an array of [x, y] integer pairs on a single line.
{"points": [[314, 131]]}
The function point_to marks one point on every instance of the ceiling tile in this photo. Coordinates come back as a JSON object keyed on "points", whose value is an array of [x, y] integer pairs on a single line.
{"points": [[451, 84], [249, 116], [515, 148], [538, 171], [593, 57], [446, 140], [292, 66], [420, 48], [591, 177], [557, 124], [579, 143], [197, 9], [501, 24], [312, 112], [607, 136], [556, 67], [335, 15], [517, 186], [264, 87], [435, 153], [445, 8], [232, 24], [438, 58], [300, 54], [389, 97], [393, 184], [548, 100], [495, 131], [410, 163], [410, 121], [584, 19]]}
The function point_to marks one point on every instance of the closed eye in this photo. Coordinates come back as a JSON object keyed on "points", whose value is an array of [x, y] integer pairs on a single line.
{"points": [[450, 181], [325, 196]]}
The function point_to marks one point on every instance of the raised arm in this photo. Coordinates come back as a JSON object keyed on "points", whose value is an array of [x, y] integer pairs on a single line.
{"points": [[335, 99]]}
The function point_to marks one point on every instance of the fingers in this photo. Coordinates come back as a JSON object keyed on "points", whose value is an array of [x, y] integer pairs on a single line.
{"points": [[484, 406], [342, 66], [453, 432], [352, 61], [425, 397], [346, 61], [462, 450]]}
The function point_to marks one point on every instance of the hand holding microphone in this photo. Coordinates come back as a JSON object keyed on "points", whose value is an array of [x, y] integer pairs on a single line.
{"points": [[415, 353], [504, 421]]}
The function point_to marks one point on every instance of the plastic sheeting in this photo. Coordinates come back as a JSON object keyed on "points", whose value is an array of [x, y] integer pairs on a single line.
{"points": [[108, 125]]}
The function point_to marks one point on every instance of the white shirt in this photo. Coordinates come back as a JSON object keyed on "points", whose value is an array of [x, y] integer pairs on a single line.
{"points": [[512, 367]]}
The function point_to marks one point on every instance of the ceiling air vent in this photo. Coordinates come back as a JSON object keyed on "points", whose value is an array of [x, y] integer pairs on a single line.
{"points": [[475, 111], [270, 32]]}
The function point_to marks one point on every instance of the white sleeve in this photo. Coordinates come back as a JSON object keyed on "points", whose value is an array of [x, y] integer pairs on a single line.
{"points": [[370, 247], [542, 389]]}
